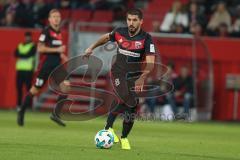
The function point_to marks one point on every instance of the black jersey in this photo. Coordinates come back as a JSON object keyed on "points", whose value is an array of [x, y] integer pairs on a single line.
{"points": [[131, 49], [51, 38], [49, 61]]}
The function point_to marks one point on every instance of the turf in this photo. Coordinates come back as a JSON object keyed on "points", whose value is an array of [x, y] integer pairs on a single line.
{"points": [[41, 139]]}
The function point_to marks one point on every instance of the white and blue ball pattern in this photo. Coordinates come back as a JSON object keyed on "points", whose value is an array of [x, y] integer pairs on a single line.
{"points": [[104, 139]]}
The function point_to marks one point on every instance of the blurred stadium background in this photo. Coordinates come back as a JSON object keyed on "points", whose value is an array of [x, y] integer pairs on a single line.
{"points": [[210, 53]]}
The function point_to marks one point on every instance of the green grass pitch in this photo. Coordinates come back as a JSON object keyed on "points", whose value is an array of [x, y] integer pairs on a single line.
{"points": [[41, 139]]}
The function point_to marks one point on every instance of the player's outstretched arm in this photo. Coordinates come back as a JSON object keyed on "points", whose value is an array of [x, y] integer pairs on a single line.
{"points": [[102, 40], [148, 68], [42, 48]]}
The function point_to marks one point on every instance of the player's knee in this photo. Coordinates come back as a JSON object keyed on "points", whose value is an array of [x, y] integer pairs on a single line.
{"points": [[65, 86], [129, 115], [128, 99], [124, 96], [132, 110]]}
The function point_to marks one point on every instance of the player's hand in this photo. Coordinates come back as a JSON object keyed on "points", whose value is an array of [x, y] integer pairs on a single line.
{"points": [[139, 85], [61, 49], [64, 57], [88, 52]]}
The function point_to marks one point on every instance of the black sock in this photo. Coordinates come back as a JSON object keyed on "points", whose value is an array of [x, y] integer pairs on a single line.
{"points": [[127, 127], [59, 105], [27, 102], [128, 121], [110, 120], [114, 111]]}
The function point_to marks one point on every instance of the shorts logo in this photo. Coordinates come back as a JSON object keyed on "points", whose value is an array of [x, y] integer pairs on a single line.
{"points": [[39, 82], [117, 82]]}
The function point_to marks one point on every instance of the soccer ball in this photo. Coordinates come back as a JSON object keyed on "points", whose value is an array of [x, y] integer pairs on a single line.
{"points": [[104, 139]]}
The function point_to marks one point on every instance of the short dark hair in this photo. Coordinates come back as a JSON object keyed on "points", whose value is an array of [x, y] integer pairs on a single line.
{"points": [[135, 11], [53, 11]]}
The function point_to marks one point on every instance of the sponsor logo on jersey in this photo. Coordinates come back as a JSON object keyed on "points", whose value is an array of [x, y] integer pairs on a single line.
{"points": [[138, 44], [56, 42], [128, 53], [55, 35]]}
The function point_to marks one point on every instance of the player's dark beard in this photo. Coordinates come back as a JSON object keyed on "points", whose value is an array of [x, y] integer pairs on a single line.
{"points": [[132, 31]]}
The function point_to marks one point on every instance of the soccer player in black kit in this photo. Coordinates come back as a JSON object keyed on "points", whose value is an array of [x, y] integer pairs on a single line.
{"points": [[51, 49], [134, 45]]}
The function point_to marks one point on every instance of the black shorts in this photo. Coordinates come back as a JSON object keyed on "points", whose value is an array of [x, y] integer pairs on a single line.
{"points": [[45, 70], [124, 88]]}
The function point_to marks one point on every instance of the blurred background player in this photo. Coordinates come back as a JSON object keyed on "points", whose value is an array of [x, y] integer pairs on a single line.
{"points": [[134, 45], [51, 51], [183, 91], [152, 102], [25, 64]]}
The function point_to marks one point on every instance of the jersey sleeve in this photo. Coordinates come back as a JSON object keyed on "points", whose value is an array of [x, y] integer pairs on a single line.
{"points": [[112, 35], [150, 48], [43, 36]]}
